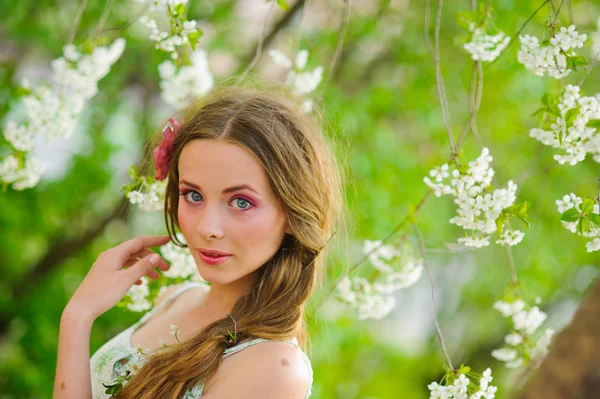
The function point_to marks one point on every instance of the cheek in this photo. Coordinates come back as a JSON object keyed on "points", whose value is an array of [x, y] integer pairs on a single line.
{"points": [[183, 219]]}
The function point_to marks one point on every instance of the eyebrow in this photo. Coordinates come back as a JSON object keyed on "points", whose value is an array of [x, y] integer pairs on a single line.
{"points": [[227, 190]]}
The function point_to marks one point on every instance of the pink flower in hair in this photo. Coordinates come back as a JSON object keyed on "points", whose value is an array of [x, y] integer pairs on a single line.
{"points": [[163, 151]]}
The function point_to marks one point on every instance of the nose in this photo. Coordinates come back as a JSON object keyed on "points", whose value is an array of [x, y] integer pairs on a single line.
{"points": [[209, 223]]}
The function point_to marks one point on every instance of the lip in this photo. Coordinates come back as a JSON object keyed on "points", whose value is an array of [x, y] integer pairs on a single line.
{"points": [[212, 260]]}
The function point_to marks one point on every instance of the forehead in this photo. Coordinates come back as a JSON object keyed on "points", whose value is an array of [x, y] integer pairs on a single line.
{"points": [[219, 163]]}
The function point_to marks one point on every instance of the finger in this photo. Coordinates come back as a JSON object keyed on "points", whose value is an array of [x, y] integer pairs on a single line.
{"points": [[162, 265], [143, 267], [139, 243]]}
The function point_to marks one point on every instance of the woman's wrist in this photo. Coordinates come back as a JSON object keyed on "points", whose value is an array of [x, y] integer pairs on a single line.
{"points": [[74, 314]]}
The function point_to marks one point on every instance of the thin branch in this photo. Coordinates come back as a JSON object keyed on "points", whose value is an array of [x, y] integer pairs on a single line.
{"points": [[286, 19], [260, 45], [439, 79], [589, 69], [301, 26], [76, 22], [103, 19], [513, 270], [338, 47], [435, 319], [514, 38]]}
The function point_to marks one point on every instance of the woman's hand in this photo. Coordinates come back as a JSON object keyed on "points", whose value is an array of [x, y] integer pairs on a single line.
{"points": [[107, 282]]}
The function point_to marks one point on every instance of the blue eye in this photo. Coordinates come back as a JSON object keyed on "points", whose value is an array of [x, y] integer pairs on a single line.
{"points": [[197, 197], [243, 201]]}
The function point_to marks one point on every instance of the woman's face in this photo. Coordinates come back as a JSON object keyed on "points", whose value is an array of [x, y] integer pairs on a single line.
{"points": [[216, 213]]}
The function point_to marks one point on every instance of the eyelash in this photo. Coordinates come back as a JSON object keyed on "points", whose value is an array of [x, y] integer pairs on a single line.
{"points": [[186, 192]]}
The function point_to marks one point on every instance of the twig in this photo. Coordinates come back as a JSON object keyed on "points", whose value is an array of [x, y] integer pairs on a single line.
{"points": [[338, 47], [260, 45], [439, 79], [103, 19], [514, 38], [435, 319], [589, 69], [301, 26], [76, 22], [513, 270]]}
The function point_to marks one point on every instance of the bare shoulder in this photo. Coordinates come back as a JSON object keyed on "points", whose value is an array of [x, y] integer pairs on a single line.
{"points": [[172, 288], [273, 369]]}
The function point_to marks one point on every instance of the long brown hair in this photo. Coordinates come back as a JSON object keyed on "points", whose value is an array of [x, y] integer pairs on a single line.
{"points": [[305, 176]]}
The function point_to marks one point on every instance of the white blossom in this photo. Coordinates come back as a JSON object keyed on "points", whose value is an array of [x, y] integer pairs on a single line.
{"points": [[52, 113], [374, 300], [525, 323], [460, 387], [150, 197], [478, 208], [139, 296], [504, 354], [574, 138], [485, 47], [513, 339], [541, 347], [182, 262], [180, 86], [593, 233], [301, 82], [550, 58]]}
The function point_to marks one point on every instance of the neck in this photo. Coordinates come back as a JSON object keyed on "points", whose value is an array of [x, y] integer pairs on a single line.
{"points": [[221, 298]]}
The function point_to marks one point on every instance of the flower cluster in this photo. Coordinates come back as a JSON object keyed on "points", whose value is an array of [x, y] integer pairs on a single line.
{"points": [[182, 262], [139, 296], [302, 82], [183, 266], [483, 46], [581, 216], [374, 300], [150, 196], [569, 126], [180, 85], [551, 58], [461, 387], [21, 176], [519, 348], [480, 210], [181, 31], [53, 112]]}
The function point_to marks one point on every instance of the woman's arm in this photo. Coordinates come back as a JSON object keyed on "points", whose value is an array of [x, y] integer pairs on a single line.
{"points": [[73, 364]]}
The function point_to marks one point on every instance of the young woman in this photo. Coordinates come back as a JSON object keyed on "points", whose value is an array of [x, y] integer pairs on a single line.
{"points": [[254, 188]]}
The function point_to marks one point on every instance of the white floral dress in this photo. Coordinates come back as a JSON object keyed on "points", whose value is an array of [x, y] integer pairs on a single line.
{"points": [[118, 356]]}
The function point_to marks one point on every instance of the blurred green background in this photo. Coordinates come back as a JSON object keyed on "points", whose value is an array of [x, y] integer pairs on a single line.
{"points": [[381, 106]]}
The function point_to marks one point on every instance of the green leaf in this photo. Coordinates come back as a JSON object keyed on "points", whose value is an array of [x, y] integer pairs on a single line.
{"points": [[179, 9], [587, 206], [538, 111], [571, 115], [283, 5], [594, 218], [570, 215], [193, 38], [583, 225], [500, 225], [525, 221], [132, 172], [594, 123]]}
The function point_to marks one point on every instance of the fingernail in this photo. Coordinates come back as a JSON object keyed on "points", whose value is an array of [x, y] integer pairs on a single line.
{"points": [[154, 259]]}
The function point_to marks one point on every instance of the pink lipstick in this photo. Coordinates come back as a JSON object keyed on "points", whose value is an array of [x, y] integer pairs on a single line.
{"points": [[212, 257]]}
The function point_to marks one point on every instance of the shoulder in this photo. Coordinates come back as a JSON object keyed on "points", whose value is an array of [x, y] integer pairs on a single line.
{"points": [[272, 369], [168, 291]]}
